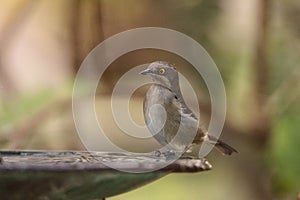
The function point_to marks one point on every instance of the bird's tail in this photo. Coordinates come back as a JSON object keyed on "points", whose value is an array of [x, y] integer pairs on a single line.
{"points": [[221, 146]]}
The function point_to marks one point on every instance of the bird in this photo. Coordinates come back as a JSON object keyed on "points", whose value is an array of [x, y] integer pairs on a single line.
{"points": [[166, 113]]}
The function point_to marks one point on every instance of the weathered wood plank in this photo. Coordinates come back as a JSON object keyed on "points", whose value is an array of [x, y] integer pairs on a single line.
{"points": [[81, 175]]}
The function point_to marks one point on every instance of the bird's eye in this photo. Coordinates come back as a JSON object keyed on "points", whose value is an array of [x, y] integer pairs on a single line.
{"points": [[162, 71]]}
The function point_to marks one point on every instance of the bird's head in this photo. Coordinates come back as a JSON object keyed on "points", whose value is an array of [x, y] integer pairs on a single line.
{"points": [[162, 73]]}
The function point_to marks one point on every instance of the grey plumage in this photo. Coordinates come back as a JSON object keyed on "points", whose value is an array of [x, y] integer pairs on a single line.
{"points": [[167, 115]]}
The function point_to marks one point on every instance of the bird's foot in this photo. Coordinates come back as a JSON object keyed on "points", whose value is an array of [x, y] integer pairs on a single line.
{"points": [[157, 153], [169, 154], [166, 154]]}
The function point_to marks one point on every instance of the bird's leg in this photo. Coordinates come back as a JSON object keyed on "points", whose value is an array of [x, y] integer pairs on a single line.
{"points": [[191, 152]]}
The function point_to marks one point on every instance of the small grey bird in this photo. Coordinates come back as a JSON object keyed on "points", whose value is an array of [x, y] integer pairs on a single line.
{"points": [[166, 113]]}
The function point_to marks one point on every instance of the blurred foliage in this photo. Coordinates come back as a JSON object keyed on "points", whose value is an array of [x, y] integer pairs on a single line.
{"points": [[285, 159], [283, 156], [22, 107]]}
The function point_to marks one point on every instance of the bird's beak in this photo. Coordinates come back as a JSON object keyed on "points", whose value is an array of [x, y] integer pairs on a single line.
{"points": [[145, 72]]}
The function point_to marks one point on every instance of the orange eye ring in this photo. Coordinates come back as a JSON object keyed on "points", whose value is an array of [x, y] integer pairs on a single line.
{"points": [[162, 71]]}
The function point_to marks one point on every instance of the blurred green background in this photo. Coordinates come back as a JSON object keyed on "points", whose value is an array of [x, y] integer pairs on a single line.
{"points": [[255, 44]]}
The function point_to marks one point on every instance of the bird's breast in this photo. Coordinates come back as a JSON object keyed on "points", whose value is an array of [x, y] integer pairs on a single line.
{"points": [[156, 104], [162, 113]]}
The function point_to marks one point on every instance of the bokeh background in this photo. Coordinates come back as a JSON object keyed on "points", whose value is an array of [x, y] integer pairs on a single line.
{"points": [[255, 44]]}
